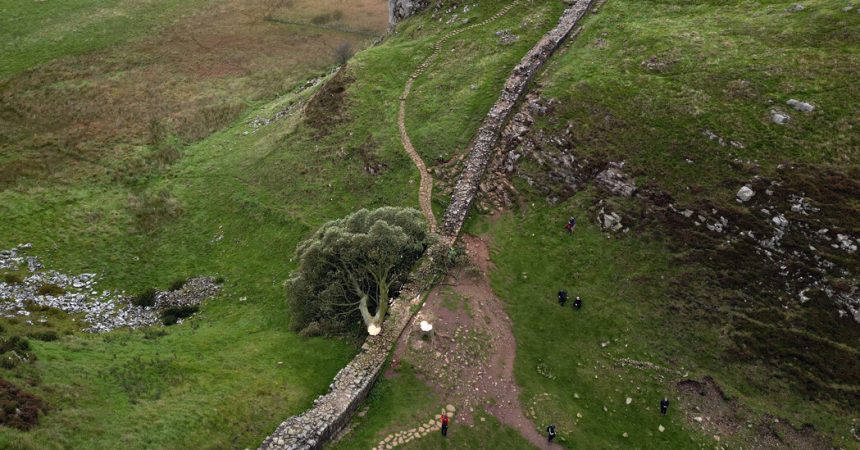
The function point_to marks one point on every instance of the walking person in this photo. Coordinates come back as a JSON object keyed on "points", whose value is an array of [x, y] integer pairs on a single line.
{"points": [[444, 424], [664, 406], [550, 433], [562, 297], [577, 303]]}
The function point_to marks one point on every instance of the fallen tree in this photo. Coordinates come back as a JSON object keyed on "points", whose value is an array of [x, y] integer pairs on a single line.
{"points": [[348, 270]]}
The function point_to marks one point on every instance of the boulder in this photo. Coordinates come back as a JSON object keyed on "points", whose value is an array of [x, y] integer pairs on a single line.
{"points": [[745, 194], [615, 181]]}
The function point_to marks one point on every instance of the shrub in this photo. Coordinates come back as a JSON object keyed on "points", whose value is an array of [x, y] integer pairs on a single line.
{"points": [[20, 409], [342, 53], [14, 343], [13, 278], [166, 155], [321, 19], [171, 315], [220, 280], [50, 289], [178, 284], [145, 298], [44, 336], [154, 334], [168, 319]]}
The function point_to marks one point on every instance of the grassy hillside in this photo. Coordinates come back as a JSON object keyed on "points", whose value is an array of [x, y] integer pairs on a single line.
{"points": [[683, 93], [143, 163]]}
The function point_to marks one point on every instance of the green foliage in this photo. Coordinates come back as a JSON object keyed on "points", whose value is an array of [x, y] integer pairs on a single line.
{"points": [[13, 278], [50, 289], [178, 283], [14, 350], [45, 336], [171, 315], [359, 256], [145, 298]]}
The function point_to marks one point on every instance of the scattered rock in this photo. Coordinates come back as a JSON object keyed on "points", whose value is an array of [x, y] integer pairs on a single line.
{"points": [[779, 118], [103, 311], [615, 181], [801, 106], [506, 37], [797, 7], [609, 221]]}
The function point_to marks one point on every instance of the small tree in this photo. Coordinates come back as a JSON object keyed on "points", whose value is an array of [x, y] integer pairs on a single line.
{"points": [[342, 53], [349, 266]]}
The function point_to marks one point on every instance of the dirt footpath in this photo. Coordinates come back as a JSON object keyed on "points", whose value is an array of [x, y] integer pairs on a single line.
{"points": [[469, 356]]}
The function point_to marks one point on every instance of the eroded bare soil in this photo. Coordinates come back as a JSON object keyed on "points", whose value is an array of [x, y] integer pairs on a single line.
{"points": [[469, 358]]}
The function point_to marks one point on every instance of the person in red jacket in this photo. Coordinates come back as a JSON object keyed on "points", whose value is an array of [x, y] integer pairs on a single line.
{"points": [[444, 424]]}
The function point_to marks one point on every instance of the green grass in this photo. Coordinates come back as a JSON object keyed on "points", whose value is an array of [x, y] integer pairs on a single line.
{"points": [[404, 402], [33, 32], [727, 65], [562, 365], [233, 205]]}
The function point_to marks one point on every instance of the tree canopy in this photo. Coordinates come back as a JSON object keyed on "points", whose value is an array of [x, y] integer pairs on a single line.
{"points": [[349, 267]]}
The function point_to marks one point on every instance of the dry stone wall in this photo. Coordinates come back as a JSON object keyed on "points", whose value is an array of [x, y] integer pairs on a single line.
{"points": [[481, 149], [331, 412]]}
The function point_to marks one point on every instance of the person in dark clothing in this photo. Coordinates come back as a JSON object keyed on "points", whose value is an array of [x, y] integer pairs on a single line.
{"points": [[570, 225], [577, 303], [562, 297], [445, 425], [550, 433], [664, 406]]}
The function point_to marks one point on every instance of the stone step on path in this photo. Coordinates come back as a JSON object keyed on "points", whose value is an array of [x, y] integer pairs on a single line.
{"points": [[434, 425], [425, 189]]}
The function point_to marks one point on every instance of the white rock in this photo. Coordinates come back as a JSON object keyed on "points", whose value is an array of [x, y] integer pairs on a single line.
{"points": [[661, 428], [745, 193], [801, 106], [779, 118]]}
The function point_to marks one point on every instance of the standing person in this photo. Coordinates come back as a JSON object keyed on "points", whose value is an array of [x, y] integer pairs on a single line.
{"points": [[445, 424], [562, 297], [550, 433], [577, 303], [570, 225], [664, 406]]}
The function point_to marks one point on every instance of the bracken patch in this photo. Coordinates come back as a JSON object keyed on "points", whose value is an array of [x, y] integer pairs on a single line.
{"points": [[19, 409]]}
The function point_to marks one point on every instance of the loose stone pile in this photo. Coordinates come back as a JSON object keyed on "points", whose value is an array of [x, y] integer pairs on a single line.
{"points": [[406, 436], [77, 294]]}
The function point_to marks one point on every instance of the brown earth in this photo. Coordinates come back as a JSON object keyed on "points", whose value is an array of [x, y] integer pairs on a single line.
{"points": [[709, 409], [469, 359], [84, 115], [19, 409]]}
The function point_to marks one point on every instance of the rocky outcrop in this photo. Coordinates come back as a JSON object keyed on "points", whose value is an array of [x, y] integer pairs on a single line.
{"points": [[402, 9], [481, 149]]}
